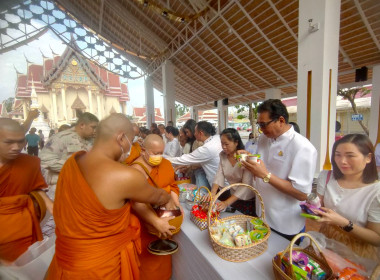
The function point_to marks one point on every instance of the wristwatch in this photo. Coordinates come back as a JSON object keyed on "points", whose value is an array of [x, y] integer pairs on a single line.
{"points": [[348, 227], [267, 178]]}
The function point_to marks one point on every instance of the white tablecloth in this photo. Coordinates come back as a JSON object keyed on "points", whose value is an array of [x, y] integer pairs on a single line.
{"points": [[196, 259]]}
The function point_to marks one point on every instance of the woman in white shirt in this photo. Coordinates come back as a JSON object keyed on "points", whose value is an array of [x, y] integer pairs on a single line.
{"points": [[240, 198], [350, 195], [172, 148]]}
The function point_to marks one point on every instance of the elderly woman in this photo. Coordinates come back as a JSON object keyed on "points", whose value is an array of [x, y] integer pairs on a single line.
{"points": [[350, 195]]}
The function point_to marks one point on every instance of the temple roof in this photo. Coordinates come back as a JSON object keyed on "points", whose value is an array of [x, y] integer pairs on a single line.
{"points": [[141, 111], [45, 74]]}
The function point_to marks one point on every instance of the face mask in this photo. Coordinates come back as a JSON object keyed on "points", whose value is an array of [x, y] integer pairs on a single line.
{"points": [[124, 156], [135, 139], [155, 160]]}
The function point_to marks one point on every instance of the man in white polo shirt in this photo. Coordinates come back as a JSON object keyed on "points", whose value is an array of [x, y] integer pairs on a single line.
{"points": [[207, 155], [285, 173]]}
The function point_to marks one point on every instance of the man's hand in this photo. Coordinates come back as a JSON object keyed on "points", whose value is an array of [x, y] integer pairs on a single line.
{"points": [[258, 169], [182, 168]]}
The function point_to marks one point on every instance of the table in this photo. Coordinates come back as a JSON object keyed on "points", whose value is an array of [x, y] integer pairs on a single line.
{"points": [[196, 259]]}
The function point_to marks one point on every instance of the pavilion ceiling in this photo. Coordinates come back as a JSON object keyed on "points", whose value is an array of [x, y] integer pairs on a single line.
{"points": [[234, 49]]}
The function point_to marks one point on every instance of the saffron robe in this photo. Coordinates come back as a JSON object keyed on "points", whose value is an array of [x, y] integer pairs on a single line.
{"points": [[151, 266], [135, 153], [19, 225], [92, 241]]}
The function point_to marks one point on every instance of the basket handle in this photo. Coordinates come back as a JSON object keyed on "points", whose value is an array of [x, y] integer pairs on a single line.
{"points": [[198, 193], [290, 248], [229, 187]]}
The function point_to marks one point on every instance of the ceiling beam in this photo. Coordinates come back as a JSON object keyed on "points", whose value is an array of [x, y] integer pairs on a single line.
{"points": [[101, 16], [366, 23], [265, 36], [179, 42]]}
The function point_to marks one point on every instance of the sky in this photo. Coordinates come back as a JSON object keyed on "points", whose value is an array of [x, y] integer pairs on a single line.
{"points": [[32, 51]]}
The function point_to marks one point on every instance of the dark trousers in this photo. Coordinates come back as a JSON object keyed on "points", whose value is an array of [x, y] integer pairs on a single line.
{"points": [[33, 151], [290, 237]]}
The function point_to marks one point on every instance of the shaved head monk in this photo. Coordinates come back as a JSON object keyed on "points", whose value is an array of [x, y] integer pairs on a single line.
{"points": [[160, 174], [22, 201], [97, 235], [136, 148]]}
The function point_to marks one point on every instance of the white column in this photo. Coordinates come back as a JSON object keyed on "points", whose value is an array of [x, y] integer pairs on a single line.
{"points": [[24, 109], [149, 100], [318, 46], [169, 91], [272, 93], [63, 94], [54, 107], [125, 108], [222, 116], [90, 100], [99, 106], [374, 120], [194, 113]]}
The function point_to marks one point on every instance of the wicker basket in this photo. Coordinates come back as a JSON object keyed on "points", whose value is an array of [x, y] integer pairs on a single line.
{"points": [[202, 224], [309, 250], [245, 253]]}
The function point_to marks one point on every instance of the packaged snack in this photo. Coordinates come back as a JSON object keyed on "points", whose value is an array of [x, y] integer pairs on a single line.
{"points": [[257, 222], [318, 274], [227, 239], [256, 235], [242, 240], [300, 258], [217, 236]]}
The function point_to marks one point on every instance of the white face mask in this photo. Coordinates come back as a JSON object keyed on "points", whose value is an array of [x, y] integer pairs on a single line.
{"points": [[124, 156], [135, 139]]}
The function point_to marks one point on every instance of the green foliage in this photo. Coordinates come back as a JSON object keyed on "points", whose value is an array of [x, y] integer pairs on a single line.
{"points": [[129, 117], [9, 103], [240, 117], [180, 109]]}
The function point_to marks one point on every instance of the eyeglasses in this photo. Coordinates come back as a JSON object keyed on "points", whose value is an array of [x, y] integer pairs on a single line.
{"points": [[265, 124]]}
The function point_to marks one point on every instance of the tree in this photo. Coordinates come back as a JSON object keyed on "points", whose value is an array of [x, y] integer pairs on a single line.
{"points": [[252, 114], [350, 95], [180, 110], [9, 103]]}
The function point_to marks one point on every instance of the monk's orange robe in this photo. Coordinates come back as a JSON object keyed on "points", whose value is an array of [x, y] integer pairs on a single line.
{"points": [[135, 153], [151, 266], [92, 241], [19, 226]]}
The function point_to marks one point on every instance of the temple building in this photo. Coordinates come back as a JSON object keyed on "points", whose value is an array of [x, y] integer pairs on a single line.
{"points": [[66, 86]]}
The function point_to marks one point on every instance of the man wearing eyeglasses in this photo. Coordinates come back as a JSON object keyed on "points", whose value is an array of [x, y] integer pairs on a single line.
{"points": [[285, 172]]}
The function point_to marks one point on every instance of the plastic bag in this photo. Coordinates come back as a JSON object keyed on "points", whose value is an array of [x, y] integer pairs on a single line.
{"points": [[339, 256]]}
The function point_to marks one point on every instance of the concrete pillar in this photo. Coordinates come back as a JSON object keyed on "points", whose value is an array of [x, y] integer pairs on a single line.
{"points": [[149, 100], [222, 116], [54, 107], [318, 46], [169, 91], [374, 120], [194, 113], [63, 95], [90, 100], [99, 104], [273, 93]]}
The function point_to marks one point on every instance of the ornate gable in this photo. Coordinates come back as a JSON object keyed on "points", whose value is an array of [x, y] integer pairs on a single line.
{"points": [[72, 68], [78, 104]]}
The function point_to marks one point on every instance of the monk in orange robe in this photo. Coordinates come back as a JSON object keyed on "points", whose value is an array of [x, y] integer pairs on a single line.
{"points": [[136, 148], [97, 235], [159, 173], [20, 175]]}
